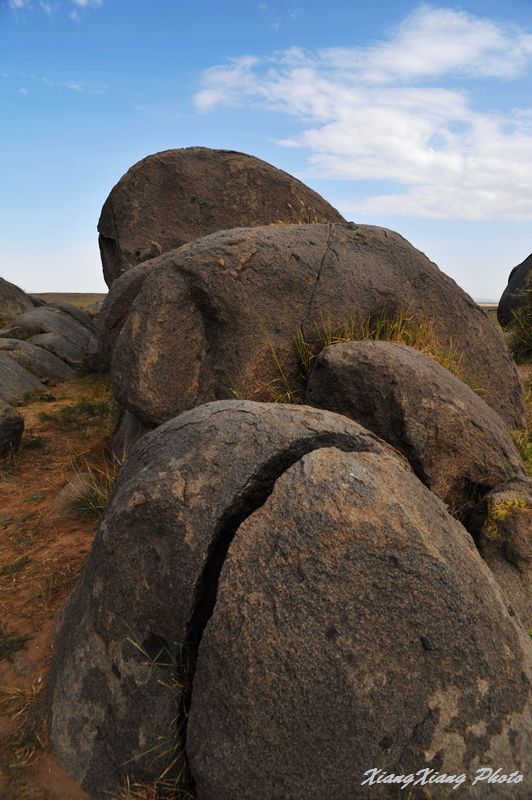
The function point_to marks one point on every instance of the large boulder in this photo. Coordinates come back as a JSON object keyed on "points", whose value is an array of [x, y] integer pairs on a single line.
{"points": [[502, 527], [173, 197], [13, 301], [355, 627], [517, 294], [457, 445], [219, 316], [15, 381], [42, 363], [11, 428], [150, 582]]}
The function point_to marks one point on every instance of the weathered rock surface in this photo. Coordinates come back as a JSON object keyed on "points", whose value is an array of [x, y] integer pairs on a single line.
{"points": [[77, 313], [63, 348], [13, 301], [151, 577], [355, 626], [173, 197], [517, 293], [208, 317], [11, 428], [502, 526], [15, 381], [456, 444], [42, 363], [116, 306], [49, 320]]}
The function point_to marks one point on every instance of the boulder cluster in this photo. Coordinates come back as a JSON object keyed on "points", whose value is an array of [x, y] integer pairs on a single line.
{"points": [[283, 596], [40, 344]]}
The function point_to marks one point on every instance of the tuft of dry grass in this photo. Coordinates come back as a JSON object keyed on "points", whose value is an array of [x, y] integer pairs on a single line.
{"points": [[404, 327]]}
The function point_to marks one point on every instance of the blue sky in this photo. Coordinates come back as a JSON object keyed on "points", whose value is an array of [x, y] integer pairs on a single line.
{"points": [[417, 117]]}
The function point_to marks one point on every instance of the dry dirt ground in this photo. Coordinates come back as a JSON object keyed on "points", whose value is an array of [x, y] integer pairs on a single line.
{"points": [[41, 555]]}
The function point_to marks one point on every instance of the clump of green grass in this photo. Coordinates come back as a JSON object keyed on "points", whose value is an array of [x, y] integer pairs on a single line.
{"points": [[10, 643], [14, 567], [82, 411]]}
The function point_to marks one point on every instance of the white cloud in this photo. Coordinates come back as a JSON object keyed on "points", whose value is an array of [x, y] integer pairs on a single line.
{"points": [[49, 8], [18, 4], [86, 3], [24, 92], [399, 111]]}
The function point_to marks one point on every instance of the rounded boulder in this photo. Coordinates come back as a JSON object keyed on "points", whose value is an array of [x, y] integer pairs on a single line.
{"points": [[175, 196]]}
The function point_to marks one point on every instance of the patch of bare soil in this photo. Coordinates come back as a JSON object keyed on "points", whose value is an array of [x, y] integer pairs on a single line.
{"points": [[41, 555]]}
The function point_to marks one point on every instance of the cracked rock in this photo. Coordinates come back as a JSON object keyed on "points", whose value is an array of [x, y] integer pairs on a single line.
{"points": [[149, 585], [355, 626], [218, 317]]}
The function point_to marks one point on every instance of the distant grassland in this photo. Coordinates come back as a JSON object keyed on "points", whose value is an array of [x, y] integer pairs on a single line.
{"points": [[74, 298]]}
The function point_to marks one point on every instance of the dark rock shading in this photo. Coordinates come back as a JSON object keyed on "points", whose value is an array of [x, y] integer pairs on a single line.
{"points": [[457, 445], [42, 363], [15, 381], [11, 428], [211, 318], [502, 526], [116, 306], [518, 293], [13, 301], [173, 197], [129, 432], [150, 581], [355, 626]]}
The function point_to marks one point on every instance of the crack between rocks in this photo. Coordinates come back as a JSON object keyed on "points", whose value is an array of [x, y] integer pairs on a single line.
{"points": [[320, 269], [250, 499]]}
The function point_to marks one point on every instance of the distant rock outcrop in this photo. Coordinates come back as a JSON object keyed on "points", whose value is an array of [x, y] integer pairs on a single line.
{"points": [[173, 197], [517, 294], [55, 329], [42, 363], [13, 301], [213, 317], [457, 445]]}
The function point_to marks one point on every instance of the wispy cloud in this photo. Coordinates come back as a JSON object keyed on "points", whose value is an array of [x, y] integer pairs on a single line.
{"points": [[79, 87], [23, 91], [399, 111], [18, 4], [86, 3], [49, 8]]}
